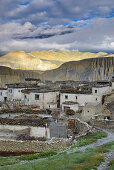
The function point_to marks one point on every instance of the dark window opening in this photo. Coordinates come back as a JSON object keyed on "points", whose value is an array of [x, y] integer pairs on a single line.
{"points": [[107, 117], [5, 99], [95, 91], [88, 111], [96, 99], [66, 97], [36, 96]]}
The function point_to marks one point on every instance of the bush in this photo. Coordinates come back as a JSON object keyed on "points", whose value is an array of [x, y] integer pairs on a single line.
{"points": [[70, 112]]}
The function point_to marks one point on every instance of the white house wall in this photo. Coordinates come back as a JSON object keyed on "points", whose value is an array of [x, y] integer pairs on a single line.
{"points": [[34, 131], [82, 99], [101, 90], [112, 85], [72, 107], [15, 94], [3, 94], [44, 99]]}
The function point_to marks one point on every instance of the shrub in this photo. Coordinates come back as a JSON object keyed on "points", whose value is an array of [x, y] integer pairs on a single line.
{"points": [[70, 112]]}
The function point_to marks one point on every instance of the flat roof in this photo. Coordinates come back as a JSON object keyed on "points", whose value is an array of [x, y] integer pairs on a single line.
{"points": [[3, 88], [75, 91], [100, 86], [27, 91], [21, 85], [70, 103]]}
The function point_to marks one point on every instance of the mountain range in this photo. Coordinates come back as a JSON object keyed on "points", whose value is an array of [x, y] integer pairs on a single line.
{"points": [[45, 60]]}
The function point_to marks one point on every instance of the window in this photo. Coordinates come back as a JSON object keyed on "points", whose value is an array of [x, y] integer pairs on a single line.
{"points": [[88, 111], [0, 93], [95, 91], [19, 90], [36, 96], [96, 99], [25, 96], [10, 90], [66, 97], [76, 97]]}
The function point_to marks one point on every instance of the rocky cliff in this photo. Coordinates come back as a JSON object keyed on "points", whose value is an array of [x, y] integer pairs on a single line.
{"points": [[88, 69], [8, 75]]}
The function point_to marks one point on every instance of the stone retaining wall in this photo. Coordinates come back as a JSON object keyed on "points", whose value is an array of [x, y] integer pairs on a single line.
{"points": [[106, 124], [27, 121], [33, 146]]}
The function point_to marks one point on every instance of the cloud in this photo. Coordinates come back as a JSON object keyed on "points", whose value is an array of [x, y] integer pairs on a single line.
{"points": [[38, 11], [56, 24], [97, 34]]}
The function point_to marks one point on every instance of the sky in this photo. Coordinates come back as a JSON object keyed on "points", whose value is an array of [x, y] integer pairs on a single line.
{"points": [[76, 25]]}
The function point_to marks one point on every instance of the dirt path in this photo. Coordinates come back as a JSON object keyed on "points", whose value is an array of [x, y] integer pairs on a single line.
{"points": [[99, 142], [108, 157]]}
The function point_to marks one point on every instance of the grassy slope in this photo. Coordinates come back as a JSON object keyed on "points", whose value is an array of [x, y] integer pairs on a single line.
{"points": [[80, 160], [86, 140]]}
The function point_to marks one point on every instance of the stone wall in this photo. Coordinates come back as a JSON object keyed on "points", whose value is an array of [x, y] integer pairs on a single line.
{"points": [[58, 130], [33, 146], [81, 127], [106, 124], [76, 126], [27, 121]]}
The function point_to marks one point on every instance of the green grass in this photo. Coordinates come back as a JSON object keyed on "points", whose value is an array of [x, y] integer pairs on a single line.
{"points": [[8, 161], [80, 160], [16, 159], [109, 145], [111, 165], [86, 140], [37, 156]]}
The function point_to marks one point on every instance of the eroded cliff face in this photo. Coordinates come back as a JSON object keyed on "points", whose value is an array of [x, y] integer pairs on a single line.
{"points": [[84, 70], [8, 75], [88, 69]]}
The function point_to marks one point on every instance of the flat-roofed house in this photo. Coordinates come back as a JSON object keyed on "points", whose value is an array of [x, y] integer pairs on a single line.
{"points": [[112, 81], [3, 94], [14, 90], [89, 110], [70, 105], [44, 98], [100, 90], [81, 97]]}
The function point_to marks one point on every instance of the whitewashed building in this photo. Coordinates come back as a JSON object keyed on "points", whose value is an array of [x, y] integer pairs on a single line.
{"points": [[82, 98], [89, 110], [100, 90], [43, 98], [112, 81], [70, 105], [15, 90], [3, 94]]}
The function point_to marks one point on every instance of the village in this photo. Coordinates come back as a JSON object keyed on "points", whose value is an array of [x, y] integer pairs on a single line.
{"points": [[52, 114]]}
